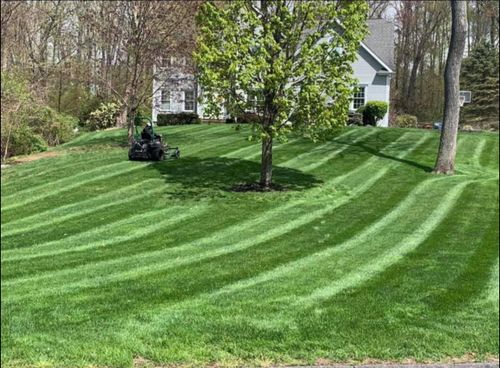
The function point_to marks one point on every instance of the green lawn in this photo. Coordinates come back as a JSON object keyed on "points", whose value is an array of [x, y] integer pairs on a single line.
{"points": [[367, 255]]}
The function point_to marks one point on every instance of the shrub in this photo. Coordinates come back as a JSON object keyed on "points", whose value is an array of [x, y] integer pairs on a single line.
{"points": [[354, 118], [53, 127], [24, 141], [104, 117], [178, 119], [244, 118], [75, 100], [373, 111], [405, 121]]}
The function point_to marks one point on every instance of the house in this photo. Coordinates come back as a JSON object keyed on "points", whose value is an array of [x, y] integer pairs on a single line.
{"points": [[373, 68]]}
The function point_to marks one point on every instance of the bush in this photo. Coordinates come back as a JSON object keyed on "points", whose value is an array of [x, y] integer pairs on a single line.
{"points": [[53, 127], [406, 121], [27, 124], [24, 141], [373, 111], [75, 100], [104, 117], [244, 118], [354, 118], [178, 119]]}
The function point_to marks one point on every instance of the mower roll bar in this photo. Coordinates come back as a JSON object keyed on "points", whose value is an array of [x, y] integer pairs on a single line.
{"points": [[137, 121]]}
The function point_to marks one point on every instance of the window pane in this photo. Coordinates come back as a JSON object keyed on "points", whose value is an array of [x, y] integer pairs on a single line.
{"points": [[165, 100], [359, 97], [189, 100]]}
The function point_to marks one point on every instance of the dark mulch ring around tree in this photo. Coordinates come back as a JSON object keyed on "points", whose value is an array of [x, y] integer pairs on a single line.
{"points": [[257, 187]]}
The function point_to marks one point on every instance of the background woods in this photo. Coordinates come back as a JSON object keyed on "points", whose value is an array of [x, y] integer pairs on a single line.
{"points": [[422, 38]]}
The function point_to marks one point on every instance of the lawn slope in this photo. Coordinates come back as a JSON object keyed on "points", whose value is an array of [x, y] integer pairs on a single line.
{"points": [[366, 255]]}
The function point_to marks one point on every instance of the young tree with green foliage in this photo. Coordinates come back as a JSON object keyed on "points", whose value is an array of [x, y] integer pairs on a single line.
{"points": [[480, 76], [290, 61]]}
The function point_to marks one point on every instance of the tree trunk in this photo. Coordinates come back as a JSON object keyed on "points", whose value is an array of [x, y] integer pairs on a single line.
{"points": [[131, 123], [411, 94], [492, 30], [266, 168], [121, 120], [445, 163]]}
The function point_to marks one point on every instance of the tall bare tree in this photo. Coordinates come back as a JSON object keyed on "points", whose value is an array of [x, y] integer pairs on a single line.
{"points": [[136, 37], [445, 163]]}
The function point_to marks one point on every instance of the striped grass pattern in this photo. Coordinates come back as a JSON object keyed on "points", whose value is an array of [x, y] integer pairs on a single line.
{"points": [[104, 259]]}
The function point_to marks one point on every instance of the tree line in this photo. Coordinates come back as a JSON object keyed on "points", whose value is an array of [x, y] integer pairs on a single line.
{"points": [[423, 30]]}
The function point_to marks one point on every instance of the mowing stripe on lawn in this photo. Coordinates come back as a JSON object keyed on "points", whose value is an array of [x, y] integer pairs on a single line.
{"points": [[66, 208], [253, 147], [92, 239], [85, 207], [191, 148], [238, 246], [234, 230], [68, 179], [492, 290], [128, 168], [238, 227], [204, 132], [178, 260], [350, 243], [225, 142], [391, 256], [65, 164], [298, 159], [25, 170], [352, 279], [7, 207], [477, 153], [335, 153], [291, 141], [244, 150]]}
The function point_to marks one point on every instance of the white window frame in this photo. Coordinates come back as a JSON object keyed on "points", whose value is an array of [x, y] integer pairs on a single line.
{"points": [[186, 101], [358, 96], [164, 105]]}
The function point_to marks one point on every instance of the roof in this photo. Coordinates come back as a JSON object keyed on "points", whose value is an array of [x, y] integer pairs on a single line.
{"points": [[380, 40]]}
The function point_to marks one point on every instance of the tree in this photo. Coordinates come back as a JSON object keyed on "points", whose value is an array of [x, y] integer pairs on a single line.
{"points": [[288, 61], [134, 38], [377, 8], [479, 75], [445, 163]]}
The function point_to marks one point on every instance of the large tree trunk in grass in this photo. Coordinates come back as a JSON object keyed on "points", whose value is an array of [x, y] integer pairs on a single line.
{"points": [[445, 163], [266, 168]]}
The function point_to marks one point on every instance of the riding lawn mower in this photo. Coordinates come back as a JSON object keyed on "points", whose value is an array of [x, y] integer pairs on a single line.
{"points": [[148, 145]]}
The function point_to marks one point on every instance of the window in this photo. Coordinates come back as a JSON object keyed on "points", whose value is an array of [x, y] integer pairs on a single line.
{"points": [[189, 100], [165, 99], [254, 101], [359, 97]]}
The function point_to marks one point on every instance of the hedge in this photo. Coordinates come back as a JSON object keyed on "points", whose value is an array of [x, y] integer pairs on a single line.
{"points": [[178, 119]]}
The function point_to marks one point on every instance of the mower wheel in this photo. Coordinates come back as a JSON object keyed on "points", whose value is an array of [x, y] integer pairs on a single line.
{"points": [[158, 155]]}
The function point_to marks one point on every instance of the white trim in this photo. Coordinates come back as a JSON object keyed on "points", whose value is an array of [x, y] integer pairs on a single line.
{"points": [[379, 60]]}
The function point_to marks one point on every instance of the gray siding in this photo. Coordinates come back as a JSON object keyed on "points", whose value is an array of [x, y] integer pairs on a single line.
{"points": [[377, 87]]}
